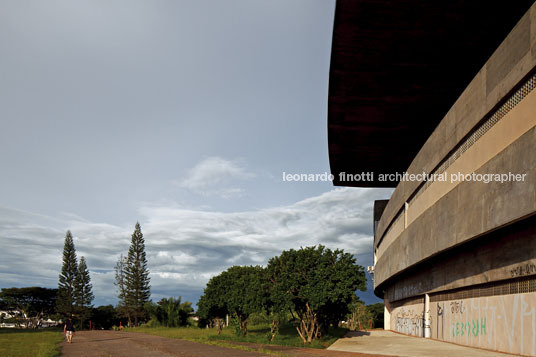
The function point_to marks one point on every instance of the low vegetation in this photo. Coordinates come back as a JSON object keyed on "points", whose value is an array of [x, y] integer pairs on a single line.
{"points": [[30, 343], [258, 333]]}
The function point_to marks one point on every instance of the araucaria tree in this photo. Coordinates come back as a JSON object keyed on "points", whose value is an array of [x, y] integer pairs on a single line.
{"points": [[66, 285], [83, 296], [316, 285], [137, 288]]}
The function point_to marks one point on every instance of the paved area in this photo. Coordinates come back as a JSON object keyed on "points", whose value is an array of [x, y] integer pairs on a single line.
{"points": [[393, 344], [114, 343]]}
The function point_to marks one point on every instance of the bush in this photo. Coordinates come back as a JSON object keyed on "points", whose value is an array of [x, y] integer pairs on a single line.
{"points": [[169, 312]]}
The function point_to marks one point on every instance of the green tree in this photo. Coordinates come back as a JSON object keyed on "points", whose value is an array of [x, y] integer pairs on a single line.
{"points": [[137, 288], [238, 291], [316, 285], [244, 294], [30, 306], [211, 306], [104, 317], [65, 302], [275, 310], [359, 317], [83, 296], [377, 310], [170, 312]]}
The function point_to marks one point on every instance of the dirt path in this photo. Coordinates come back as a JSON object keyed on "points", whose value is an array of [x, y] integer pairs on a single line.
{"points": [[113, 343]]}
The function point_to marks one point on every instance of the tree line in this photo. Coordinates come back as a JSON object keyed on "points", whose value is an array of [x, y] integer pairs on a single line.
{"points": [[73, 298], [312, 287]]}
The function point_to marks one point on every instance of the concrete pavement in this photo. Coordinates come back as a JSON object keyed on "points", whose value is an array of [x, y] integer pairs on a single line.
{"points": [[393, 344]]}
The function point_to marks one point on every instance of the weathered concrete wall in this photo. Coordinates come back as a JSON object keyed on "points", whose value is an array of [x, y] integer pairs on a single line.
{"points": [[499, 255], [510, 63], [453, 236], [408, 319], [469, 210], [504, 323]]}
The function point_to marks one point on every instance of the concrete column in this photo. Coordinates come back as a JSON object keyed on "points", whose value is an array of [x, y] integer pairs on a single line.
{"points": [[427, 330], [386, 316], [406, 207]]}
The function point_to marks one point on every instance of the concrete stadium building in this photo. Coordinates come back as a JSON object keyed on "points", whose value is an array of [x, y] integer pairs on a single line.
{"points": [[443, 91]]}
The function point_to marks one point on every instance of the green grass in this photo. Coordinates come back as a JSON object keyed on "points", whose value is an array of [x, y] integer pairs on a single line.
{"points": [[256, 334], [31, 343]]}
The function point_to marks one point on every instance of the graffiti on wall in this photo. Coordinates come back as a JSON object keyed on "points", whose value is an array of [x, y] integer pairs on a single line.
{"points": [[440, 320], [457, 307], [473, 327], [506, 323], [410, 321], [523, 269]]}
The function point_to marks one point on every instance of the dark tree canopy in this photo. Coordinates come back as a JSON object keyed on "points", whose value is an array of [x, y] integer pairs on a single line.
{"points": [[69, 269], [211, 304], [377, 311], [316, 284], [35, 302], [104, 317]]}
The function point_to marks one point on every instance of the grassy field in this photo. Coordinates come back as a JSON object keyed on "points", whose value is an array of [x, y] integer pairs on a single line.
{"points": [[31, 343], [256, 334]]}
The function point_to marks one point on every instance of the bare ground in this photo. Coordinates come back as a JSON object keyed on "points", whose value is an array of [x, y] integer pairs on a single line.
{"points": [[114, 343]]}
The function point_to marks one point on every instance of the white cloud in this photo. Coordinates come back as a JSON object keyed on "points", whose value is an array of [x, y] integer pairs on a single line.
{"points": [[215, 176], [186, 247]]}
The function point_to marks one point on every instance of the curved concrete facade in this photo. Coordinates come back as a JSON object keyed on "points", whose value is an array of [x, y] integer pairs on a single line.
{"points": [[455, 260]]}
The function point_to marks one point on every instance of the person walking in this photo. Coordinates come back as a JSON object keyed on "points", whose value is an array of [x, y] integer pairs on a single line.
{"points": [[68, 330]]}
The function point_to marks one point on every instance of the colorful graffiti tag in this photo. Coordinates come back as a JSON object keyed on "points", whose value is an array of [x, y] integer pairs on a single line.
{"points": [[505, 323]]}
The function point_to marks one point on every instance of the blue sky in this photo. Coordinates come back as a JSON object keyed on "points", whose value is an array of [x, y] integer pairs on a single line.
{"points": [[182, 115]]}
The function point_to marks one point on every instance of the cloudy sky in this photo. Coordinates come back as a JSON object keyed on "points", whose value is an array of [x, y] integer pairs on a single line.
{"points": [[182, 115]]}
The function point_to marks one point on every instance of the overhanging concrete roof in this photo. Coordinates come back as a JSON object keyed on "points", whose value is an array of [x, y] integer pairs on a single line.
{"points": [[397, 66]]}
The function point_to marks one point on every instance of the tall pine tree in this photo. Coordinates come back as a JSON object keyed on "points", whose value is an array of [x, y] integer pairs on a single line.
{"points": [[69, 269], [137, 288], [83, 296]]}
